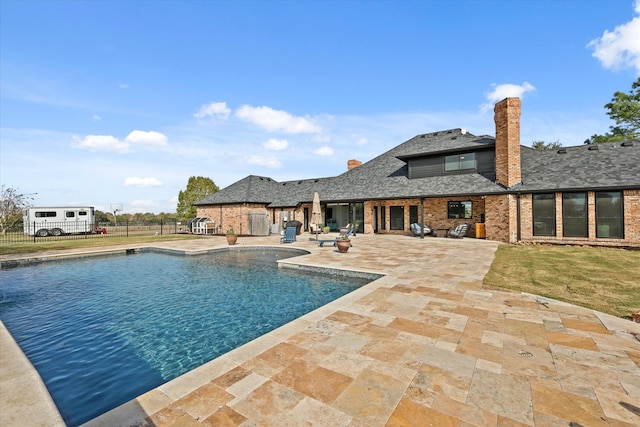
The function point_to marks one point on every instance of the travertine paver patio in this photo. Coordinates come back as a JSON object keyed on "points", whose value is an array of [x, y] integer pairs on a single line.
{"points": [[424, 345]]}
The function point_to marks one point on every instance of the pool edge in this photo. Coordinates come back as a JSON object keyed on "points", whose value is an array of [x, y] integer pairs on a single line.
{"points": [[22, 389]]}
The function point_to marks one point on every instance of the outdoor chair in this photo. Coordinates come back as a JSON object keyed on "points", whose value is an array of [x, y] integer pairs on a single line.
{"points": [[314, 229], [348, 229], [289, 235], [346, 236], [460, 231], [417, 230]]}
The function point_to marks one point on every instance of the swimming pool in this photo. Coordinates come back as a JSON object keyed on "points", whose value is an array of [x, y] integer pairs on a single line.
{"points": [[101, 331]]}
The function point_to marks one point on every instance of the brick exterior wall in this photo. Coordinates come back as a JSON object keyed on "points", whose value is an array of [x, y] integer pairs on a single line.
{"points": [[500, 215], [235, 216], [435, 214], [507, 119], [631, 200]]}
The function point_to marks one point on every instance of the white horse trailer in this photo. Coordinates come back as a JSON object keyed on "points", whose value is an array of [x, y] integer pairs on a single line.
{"points": [[56, 221]]}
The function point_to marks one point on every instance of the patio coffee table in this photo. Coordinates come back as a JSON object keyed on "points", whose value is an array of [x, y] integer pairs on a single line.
{"points": [[442, 232]]}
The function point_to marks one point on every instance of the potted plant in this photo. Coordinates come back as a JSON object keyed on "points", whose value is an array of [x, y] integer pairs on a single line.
{"points": [[326, 230], [343, 243], [231, 236]]}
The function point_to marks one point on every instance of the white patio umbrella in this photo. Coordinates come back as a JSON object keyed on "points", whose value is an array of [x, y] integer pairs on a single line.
{"points": [[316, 212]]}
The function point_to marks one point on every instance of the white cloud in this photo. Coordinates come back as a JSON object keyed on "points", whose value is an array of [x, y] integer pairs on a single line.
{"points": [[103, 143], [508, 90], [95, 117], [111, 143], [276, 120], [505, 90], [146, 138], [324, 151], [270, 162], [214, 109], [620, 48], [276, 144], [134, 181], [123, 85]]}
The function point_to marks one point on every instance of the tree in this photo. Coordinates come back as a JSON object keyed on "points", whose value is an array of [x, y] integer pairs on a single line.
{"points": [[101, 217], [11, 205], [624, 109], [542, 146], [197, 189]]}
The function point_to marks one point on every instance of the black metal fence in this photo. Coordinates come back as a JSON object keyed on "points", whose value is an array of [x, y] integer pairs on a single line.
{"points": [[37, 232]]}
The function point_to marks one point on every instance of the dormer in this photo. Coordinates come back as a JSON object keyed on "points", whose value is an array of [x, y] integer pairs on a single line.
{"points": [[451, 152]]}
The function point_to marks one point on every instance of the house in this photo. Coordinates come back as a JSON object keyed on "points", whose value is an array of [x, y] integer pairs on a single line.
{"points": [[587, 195]]}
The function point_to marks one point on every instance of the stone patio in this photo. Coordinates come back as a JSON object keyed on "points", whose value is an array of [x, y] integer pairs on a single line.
{"points": [[423, 345]]}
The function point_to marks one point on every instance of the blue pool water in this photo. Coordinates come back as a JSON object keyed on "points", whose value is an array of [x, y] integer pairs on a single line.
{"points": [[101, 331]]}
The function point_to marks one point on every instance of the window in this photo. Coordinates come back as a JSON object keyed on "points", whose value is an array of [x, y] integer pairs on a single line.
{"points": [[383, 217], [460, 210], [82, 213], [358, 216], [544, 214], [609, 215], [396, 217], [45, 214], [574, 215], [70, 214], [459, 162], [413, 215]]}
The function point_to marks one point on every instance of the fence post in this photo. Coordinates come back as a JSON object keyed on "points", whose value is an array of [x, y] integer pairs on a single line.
{"points": [[34, 231], [161, 227], [127, 226]]}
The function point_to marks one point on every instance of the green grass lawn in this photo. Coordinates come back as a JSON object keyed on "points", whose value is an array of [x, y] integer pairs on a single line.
{"points": [[92, 242], [603, 279]]}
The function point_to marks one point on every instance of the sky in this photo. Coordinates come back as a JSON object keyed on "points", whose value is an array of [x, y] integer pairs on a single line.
{"points": [[106, 103]]}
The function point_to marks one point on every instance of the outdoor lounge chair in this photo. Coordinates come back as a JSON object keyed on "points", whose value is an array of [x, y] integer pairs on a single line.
{"points": [[289, 235], [331, 242], [460, 231], [417, 230], [347, 235], [348, 230]]}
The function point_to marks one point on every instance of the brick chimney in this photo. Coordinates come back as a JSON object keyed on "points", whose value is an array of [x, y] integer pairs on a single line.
{"points": [[352, 164], [507, 120]]}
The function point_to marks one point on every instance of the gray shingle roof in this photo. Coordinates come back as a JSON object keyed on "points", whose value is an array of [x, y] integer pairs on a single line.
{"points": [[610, 166], [385, 177]]}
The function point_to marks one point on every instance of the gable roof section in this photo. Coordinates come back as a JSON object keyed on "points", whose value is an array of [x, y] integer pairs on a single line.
{"points": [[587, 167], [448, 141], [252, 189], [385, 177]]}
